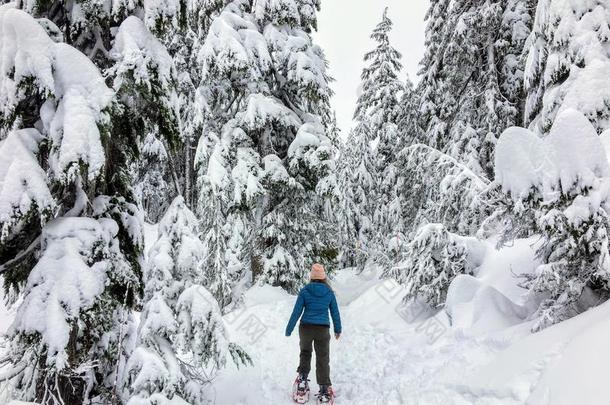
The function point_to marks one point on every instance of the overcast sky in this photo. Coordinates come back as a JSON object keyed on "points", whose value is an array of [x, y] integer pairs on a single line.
{"points": [[344, 27]]}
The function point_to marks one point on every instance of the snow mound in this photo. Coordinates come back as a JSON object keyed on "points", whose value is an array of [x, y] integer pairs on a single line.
{"points": [[479, 309], [491, 300]]}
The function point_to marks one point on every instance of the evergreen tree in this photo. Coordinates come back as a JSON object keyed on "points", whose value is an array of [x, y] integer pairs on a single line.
{"points": [[435, 196], [430, 263], [408, 117], [71, 235], [433, 119], [570, 205], [567, 62], [357, 185], [433, 188], [270, 167], [378, 106], [381, 87], [173, 109], [144, 76], [480, 46], [215, 266], [184, 41], [181, 339]]}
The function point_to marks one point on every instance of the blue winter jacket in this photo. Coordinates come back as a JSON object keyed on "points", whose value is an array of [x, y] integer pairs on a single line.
{"points": [[314, 302]]}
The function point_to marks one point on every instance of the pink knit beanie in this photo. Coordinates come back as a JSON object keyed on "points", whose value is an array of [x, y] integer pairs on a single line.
{"points": [[317, 272]]}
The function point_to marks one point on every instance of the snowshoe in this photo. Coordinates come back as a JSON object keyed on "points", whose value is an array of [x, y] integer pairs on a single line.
{"points": [[300, 390], [326, 396]]}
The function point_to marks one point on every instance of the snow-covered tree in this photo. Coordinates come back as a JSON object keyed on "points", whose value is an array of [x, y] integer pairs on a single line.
{"points": [[71, 234], [357, 182], [149, 50], [513, 211], [182, 341], [568, 60], [408, 117], [367, 175], [184, 39], [429, 264], [433, 118], [144, 79], [87, 25], [471, 88], [272, 162], [565, 178], [437, 189], [378, 105], [215, 267], [381, 87]]}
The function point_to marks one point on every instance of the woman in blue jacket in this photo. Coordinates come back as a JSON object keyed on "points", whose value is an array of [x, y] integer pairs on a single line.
{"points": [[313, 304]]}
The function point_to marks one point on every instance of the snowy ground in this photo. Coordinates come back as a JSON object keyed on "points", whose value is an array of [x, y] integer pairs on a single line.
{"points": [[479, 351], [380, 359], [389, 354]]}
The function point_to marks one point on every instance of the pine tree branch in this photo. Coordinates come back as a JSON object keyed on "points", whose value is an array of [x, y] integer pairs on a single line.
{"points": [[6, 266]]}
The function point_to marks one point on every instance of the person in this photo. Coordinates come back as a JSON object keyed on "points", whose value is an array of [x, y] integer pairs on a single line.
{"points": [[312, 306]]}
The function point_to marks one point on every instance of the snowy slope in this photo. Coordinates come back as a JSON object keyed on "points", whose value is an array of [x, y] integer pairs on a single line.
{"points": [[392, 355], [561, 365]]}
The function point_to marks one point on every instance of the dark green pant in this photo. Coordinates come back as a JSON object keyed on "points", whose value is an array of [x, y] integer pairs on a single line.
{"points": [[320, 337]]}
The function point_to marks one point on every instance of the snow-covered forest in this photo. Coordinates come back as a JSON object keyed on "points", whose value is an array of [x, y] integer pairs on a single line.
{"points": [[170, 171]]}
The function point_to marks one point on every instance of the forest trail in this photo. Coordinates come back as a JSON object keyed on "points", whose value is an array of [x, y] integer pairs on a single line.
{"points": [[383, 357]]}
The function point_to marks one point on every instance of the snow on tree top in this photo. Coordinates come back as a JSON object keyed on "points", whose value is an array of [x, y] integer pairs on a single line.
{"points": [[277, 11], [275, 172], [262, 110], [568, 61], [576, 149], [308, 135], [137, 49], [572, 156], [588, 90], [63, 73], [25, 49], [156, 11], [233, 43], [519, 162]]}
